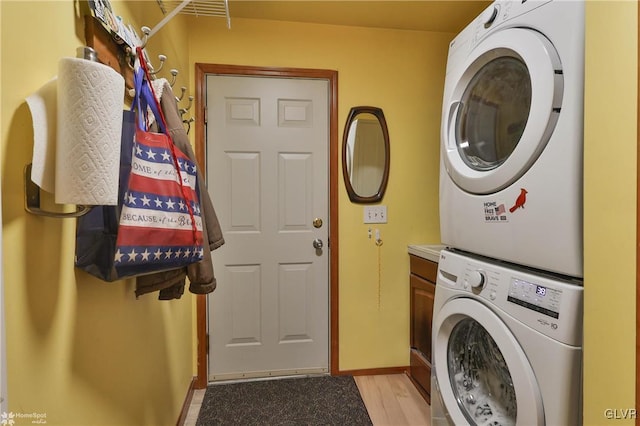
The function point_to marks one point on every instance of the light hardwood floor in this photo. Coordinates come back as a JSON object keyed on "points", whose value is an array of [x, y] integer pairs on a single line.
{"points": [[391, 400]]}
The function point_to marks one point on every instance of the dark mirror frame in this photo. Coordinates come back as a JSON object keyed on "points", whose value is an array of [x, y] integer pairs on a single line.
{"points": [[353, 196]]}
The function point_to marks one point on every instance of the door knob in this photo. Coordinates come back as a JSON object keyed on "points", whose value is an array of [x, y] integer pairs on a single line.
{"points": [[317, 243]]}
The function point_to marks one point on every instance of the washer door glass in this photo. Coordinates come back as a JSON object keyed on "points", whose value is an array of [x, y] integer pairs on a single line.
{"points": [[479, 368], [480, 377], [501, 106], [495, 109]]}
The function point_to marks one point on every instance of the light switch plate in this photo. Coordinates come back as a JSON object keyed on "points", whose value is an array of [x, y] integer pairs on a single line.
{"points": [[375, 214]]}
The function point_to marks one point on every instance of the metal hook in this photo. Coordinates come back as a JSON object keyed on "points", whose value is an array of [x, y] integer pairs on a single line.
{"points": [[174, 73], [188, 123], [154, 71], [132, 54], [184, 90], [32, 200], [146, 31], [130, 57], [183, 111]]}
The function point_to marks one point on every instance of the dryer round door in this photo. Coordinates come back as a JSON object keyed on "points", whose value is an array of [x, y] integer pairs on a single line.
{"points": [[501, 107], [483, 374]]}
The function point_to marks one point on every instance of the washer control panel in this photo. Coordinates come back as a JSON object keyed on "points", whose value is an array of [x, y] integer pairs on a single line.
{"points": [[550, 304], [545, 300]]}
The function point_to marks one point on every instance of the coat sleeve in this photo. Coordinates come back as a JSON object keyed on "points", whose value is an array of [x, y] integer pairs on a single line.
{"points": [[201, 276]]}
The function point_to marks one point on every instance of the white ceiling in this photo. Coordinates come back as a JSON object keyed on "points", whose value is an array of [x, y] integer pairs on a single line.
{"points": [[425, 15]]}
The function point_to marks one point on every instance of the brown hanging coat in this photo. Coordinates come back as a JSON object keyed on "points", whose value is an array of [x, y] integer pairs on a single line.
{"points": [[171, 283]]}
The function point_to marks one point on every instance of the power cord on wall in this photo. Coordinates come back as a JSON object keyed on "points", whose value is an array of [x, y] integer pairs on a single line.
{"points": [[378, 241], [379, 245]]}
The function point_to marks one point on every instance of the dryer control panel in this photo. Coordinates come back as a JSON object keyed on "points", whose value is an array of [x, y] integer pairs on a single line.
{"points": [[499, 12]]}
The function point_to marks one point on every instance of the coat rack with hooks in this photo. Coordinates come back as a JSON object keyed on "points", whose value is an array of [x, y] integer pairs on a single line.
{"points": [[118, 55]]}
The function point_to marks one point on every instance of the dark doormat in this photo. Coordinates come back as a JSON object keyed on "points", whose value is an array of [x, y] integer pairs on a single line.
{"points": [[321, 400]]}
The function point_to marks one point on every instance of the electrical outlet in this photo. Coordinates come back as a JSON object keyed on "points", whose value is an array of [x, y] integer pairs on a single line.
{"points": [[375, 214]]}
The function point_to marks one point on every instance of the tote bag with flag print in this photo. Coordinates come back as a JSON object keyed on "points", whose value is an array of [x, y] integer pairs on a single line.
{"points": [[160, 224]]}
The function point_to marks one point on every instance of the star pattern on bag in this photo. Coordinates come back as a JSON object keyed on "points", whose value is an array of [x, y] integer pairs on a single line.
{"points": [[132, 255], [145, 255], [157, 255]]}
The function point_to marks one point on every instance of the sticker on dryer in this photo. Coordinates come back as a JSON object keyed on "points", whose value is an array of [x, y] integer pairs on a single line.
{"points": [[520, 201], [495, 212]]}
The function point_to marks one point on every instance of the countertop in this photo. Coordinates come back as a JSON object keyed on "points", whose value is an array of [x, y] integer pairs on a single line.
{"points": [[428, 251]]}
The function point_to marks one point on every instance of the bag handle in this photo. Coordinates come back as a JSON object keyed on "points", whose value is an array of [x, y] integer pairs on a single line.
{"points": [[145, 97]]}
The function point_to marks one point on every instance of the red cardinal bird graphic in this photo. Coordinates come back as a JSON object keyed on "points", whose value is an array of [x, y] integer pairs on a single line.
{"points": [[522, 198]]}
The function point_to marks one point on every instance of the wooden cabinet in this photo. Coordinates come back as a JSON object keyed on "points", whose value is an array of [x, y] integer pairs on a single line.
{"points": [[423, 288]]}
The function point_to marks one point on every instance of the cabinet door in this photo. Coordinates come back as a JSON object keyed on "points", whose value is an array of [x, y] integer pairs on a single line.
{"points": [[422, 295]]}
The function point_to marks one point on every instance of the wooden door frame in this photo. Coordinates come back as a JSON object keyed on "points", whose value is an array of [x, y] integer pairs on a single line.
{"points": [[201, 71]]}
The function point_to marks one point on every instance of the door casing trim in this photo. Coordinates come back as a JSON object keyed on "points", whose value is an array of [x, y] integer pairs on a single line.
{"points": [[201, 71]]}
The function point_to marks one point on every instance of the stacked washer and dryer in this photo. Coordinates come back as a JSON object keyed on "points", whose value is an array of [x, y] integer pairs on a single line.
{"points": [[507, 318]]}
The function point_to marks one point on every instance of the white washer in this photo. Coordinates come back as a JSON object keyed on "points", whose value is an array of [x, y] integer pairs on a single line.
{"points": [[512, 136], [507, 345]]}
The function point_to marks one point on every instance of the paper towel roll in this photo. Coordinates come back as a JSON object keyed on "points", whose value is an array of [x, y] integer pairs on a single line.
{"points": [[43, 107], [90, 103]]}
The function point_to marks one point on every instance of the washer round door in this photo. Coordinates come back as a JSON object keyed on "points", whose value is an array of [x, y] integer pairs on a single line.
{"points": [[500, 109], [482, 372]]}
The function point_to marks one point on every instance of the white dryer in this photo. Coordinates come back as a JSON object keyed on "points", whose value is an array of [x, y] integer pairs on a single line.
{"points": [[512, 136], [507, 345]]}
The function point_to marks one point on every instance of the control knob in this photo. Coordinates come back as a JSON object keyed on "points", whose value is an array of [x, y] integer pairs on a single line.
{"points": [[490, 15], [477, 279]]}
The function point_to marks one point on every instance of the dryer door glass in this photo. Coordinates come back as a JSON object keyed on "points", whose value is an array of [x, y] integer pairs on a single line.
{"points": [[479, 376], [501, 106], [495, 108]]}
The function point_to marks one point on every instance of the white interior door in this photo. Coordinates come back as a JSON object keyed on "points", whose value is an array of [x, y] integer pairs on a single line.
{"points": [[267, 167]]}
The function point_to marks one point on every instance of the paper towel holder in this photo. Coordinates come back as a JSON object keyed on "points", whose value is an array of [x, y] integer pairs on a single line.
{"points": [[32, 200]]}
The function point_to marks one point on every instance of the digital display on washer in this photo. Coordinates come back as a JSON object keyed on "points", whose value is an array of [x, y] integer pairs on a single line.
{"points": [[538, 298]]}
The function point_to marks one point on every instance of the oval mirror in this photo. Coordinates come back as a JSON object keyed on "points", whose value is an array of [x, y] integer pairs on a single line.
{"points": [[365, 154]]}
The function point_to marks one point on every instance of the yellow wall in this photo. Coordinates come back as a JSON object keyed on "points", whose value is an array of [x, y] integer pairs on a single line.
{"points": [[79, 350], [610, 211], [401, 72]]}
